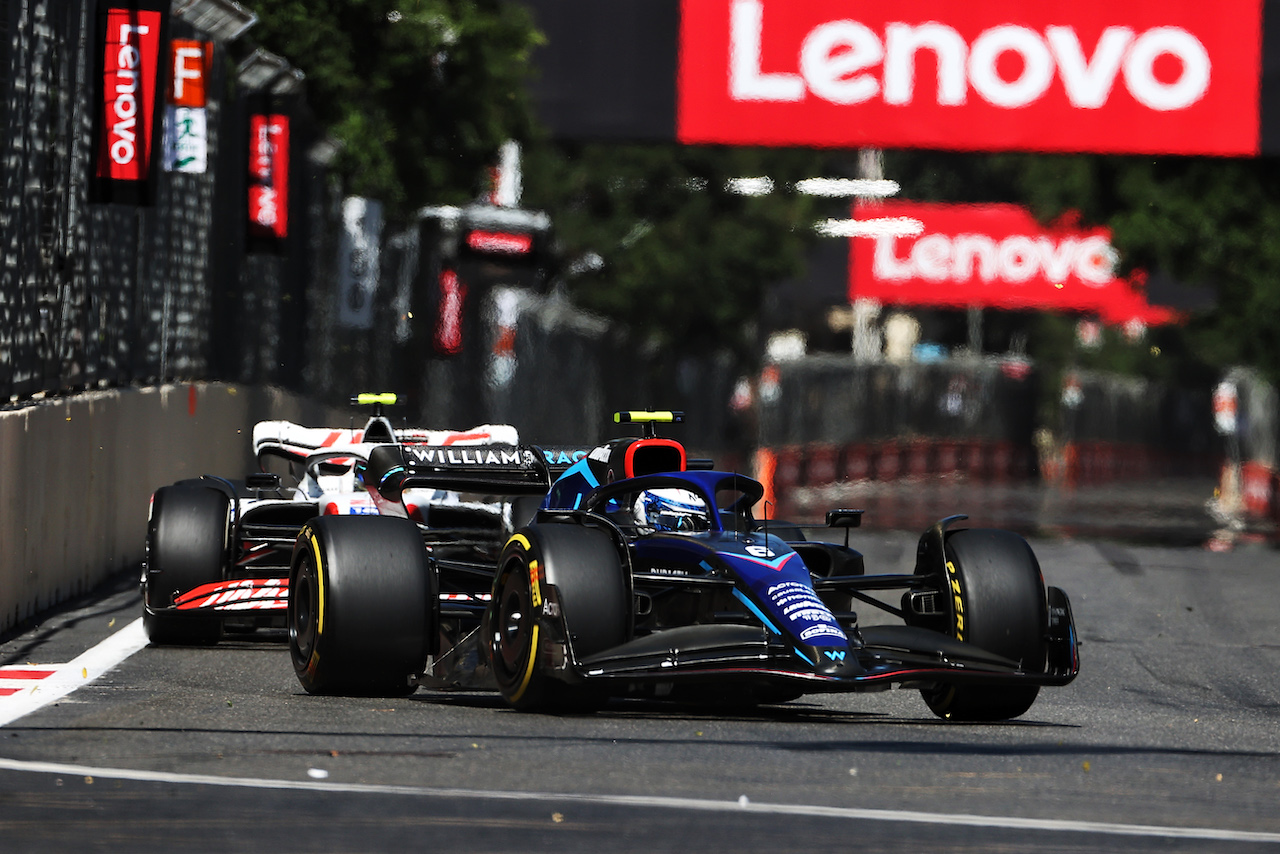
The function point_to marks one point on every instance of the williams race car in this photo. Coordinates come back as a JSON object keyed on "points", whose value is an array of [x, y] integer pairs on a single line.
{"points": [[218, 552], [645, 574]]}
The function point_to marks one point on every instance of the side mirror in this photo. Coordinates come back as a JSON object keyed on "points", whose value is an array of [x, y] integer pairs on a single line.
{"points": [[844, 518], [262, 480]]}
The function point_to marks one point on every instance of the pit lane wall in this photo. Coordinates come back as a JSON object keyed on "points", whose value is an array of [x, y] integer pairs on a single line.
{"points": [[78, 473]]}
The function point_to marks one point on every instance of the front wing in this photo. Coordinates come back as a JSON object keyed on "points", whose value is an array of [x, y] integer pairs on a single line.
{"points": [[890, 655]]}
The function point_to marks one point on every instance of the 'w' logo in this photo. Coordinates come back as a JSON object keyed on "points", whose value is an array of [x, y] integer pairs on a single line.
{"points": [[834, 654]]}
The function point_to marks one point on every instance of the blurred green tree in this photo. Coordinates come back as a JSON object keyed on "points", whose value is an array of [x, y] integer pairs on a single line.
{"points": [[654, 236], [419, 93], [1203, 221]]}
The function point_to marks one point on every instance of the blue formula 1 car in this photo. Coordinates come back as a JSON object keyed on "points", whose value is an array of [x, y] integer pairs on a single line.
{"points": [[643, 574]]}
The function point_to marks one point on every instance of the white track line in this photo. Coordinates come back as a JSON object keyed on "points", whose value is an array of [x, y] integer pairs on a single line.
{"points": [[739, 806], [87, 667], [131, 638]]}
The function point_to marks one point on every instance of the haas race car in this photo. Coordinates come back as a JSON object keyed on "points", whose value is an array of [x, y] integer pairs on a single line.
{"points": [[643, 573], [218, 552]]}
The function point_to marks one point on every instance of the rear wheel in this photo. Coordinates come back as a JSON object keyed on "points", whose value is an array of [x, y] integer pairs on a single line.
{"points": [[362, 604], [591, 591], [997, 602], [188, 536]]}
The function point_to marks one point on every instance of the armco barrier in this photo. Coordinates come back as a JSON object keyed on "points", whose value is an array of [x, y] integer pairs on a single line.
{"points": [[1091, 463], [977, 460], [816, 465], [79, 472]]}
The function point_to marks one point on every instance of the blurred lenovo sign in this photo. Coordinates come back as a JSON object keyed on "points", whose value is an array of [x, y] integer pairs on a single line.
{"points": [[130, 35], [268, 176], [1143, 76], [994, 256]]}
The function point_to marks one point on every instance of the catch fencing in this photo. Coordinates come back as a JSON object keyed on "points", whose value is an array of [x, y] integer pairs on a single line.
{"points": [[836, 420], [828, 424], [100, 295], [90, 295], [1114, 427]]}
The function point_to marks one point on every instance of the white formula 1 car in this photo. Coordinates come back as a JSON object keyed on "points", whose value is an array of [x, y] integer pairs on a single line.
{"points": [[218, 551]]}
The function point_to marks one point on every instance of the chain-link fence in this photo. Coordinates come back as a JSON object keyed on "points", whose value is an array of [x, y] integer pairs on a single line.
{"points": [[89, 294], [839, 400], [1102, 407], [109, 294]]}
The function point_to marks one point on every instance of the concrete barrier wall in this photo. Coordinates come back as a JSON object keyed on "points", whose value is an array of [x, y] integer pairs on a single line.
{"points": [[77, 473]]}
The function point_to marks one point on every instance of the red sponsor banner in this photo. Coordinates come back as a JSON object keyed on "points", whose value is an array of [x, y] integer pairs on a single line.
{"points": [[269, 176], [453, 296], [1144, 76], [993, 256], [130, 66], [190, 63], [500, 242]]}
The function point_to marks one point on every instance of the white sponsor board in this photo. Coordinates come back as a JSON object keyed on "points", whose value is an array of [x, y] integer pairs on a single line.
{"points": [[358, 261]]}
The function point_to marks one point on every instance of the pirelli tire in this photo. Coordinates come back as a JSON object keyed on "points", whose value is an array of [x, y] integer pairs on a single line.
{"points": [[188, 543], [997, 602], [591, 610], [363, 604]]}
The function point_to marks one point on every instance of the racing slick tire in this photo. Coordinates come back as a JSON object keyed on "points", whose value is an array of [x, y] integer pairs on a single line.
{"points": [[998, 603], [363, 596], [188, 537], [584, 566]]}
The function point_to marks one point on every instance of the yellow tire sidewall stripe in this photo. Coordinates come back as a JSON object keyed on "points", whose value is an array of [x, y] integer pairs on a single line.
{"points": [[315, 548], [535, 600], [529, 665], [319, 567]]}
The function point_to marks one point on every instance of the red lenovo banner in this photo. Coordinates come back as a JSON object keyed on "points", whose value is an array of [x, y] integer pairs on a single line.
{"points": [[1142, 76], [130, 67], [268, 176], [993, 256]]}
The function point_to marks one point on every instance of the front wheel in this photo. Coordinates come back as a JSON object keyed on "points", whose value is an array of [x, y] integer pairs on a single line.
{"points": [[591, 599], [996, 602], [362, 600], [188, 536]]}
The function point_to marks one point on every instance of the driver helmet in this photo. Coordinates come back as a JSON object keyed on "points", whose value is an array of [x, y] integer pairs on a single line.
{"points": [[671, 509]]}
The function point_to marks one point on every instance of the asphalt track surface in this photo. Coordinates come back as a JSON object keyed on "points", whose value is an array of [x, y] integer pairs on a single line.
{"points": [[1168, 741]]}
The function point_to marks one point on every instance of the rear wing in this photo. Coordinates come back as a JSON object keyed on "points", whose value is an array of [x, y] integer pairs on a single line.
{"points": [[560, 458], [483, 434], [296, 443], [490, 469]]}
